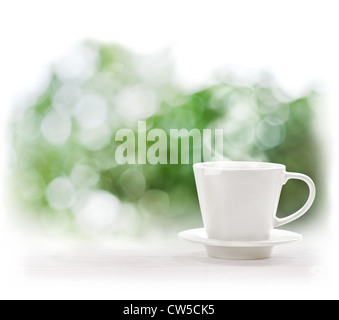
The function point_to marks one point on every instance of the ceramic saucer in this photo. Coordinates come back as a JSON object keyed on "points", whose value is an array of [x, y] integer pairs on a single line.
{"points": [[240, 250]]}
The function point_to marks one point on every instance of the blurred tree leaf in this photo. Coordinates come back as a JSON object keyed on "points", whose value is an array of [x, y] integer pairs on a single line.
{"points": [[258, 126]]}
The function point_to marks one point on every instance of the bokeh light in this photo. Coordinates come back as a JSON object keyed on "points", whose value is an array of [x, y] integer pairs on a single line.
{"points": [[56, 128], [91, 111], [63, 140], [83, 176], [268, 135], [96, 138], [60, 194], [96, 211], [136, 103]]}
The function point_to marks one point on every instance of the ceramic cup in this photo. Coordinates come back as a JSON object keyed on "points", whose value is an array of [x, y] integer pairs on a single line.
{"points": [[239, 200]]}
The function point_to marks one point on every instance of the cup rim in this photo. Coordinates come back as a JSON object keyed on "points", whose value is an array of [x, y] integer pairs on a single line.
{"points": [[239, 165]]}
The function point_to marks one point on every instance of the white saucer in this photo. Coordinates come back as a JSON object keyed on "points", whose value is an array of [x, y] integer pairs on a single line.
{"points": [[236, 250]]}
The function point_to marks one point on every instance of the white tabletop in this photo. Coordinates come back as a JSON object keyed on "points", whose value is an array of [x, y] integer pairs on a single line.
{"points": [[163, 269]]}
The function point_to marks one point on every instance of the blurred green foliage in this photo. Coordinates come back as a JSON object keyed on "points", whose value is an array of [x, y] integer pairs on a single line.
{"points": [[64, 139]]}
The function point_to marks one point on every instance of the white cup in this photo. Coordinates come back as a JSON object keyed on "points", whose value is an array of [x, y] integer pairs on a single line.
{"points": [[239, 200]]}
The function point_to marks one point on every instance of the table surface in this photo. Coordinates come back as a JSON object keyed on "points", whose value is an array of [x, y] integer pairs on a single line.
{"points": [[167, 269]]}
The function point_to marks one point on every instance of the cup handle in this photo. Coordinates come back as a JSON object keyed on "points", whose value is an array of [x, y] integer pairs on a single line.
{"points": [[292, 175]]}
